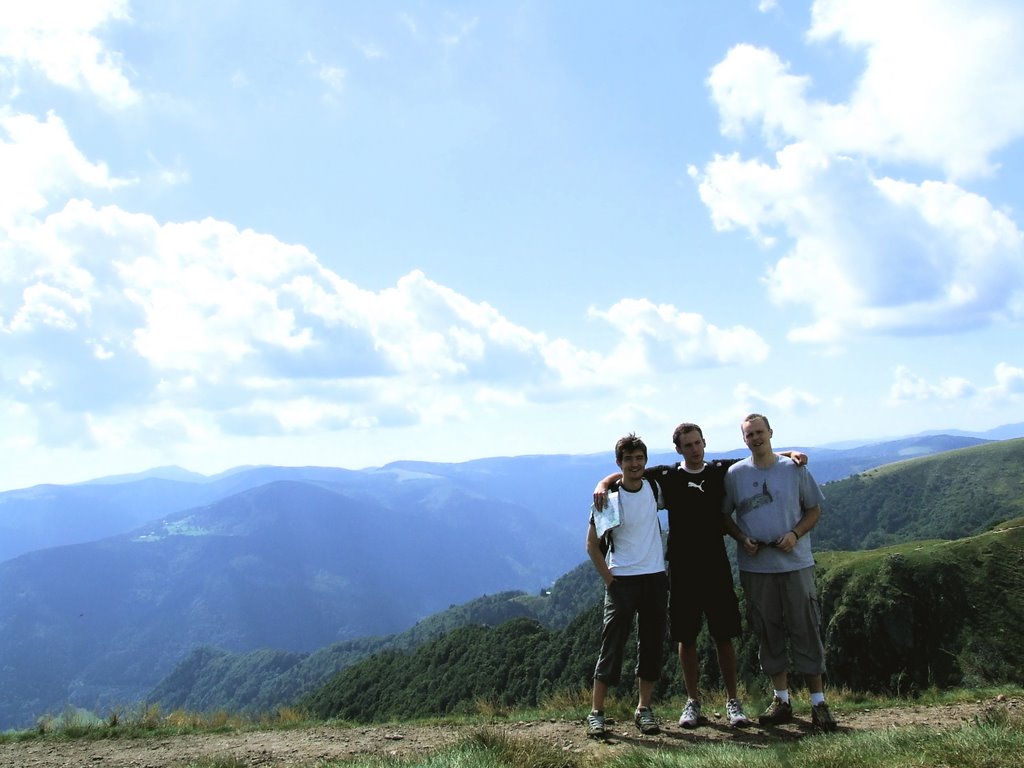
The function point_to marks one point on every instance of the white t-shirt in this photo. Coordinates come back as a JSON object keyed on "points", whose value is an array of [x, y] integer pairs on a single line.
{"points": [[636, 543]]}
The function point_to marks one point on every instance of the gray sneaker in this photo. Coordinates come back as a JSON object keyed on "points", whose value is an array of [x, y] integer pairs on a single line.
{"points": [[737, 717], [691, 714], [646, 721], [778, 712], [595, 723]]}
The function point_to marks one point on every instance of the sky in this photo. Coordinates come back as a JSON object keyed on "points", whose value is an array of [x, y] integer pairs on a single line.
{"points": [[331, 233]]}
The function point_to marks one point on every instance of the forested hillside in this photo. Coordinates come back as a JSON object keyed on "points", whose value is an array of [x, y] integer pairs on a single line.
{"points": [[906, 617], [211, 679], [946, 496]]}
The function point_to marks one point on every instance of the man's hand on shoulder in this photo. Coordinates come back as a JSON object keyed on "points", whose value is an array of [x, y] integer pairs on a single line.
{"points": [[601, 489], [797, 457]]}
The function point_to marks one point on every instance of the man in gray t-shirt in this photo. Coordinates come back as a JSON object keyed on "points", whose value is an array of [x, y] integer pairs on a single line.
{"points": [[776, 504]]}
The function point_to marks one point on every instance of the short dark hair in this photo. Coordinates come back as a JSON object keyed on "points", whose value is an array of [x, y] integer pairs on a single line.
{"points": [[752, 416], [683, 429], [629, 443]]}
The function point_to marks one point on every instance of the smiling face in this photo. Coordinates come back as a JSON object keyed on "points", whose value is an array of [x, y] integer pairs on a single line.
{"points": [[633, 463], [757, 436]]}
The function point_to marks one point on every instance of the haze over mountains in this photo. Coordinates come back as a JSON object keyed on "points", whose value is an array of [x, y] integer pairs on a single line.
{"points": [[106, 586]]}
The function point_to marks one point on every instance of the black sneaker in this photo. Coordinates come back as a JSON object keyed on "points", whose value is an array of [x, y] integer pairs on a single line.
{"points": [[822, 717], [645, 721], [778, 712]]}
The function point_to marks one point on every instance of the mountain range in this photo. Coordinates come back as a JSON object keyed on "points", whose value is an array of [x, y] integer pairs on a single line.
{"points": [[106, 586]]}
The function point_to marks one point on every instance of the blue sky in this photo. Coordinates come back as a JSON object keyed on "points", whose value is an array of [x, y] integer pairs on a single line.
{"points": [[342, 234]]}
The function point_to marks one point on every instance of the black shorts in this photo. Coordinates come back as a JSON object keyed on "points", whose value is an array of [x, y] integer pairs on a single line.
{"points": [[699, 591]]}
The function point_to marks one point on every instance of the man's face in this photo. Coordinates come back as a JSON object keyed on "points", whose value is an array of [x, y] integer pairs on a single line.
{"points": [[691, 448], [757, 436], [632, 465]]}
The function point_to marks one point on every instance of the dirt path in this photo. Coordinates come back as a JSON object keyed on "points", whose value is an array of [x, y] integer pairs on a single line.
{"points": [[312, 746]]}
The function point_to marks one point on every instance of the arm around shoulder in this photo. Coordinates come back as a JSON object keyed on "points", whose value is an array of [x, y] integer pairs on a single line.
{"points": [[601, 489], [798, 458]]}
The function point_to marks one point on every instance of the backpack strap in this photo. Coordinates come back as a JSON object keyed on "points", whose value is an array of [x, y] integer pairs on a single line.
{"points": [[656, 490]]}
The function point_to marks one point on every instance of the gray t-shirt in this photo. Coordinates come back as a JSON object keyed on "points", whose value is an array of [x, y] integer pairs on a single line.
{"points": [[768, 503]]}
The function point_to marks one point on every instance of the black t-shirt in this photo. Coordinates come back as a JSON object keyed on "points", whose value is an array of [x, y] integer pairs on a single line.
{"points": [[694, 504]]}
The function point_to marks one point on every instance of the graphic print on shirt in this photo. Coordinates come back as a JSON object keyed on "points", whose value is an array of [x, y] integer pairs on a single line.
{"points": [[757, 500], [699, 486]]}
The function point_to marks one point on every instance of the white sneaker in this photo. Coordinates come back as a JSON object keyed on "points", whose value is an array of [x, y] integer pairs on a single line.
{"points": [[737, 718], [691, 714]]}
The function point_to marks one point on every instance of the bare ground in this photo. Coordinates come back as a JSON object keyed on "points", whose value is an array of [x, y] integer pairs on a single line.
{"points": [[313, 746]]}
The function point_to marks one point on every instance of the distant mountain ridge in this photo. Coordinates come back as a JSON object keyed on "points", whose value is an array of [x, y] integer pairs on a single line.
{"points": [[56, 515], [116, 583], [288, 565]]}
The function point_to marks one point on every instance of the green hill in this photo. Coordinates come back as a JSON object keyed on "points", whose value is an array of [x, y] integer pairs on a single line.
{"points": [[898, 619], [928, 613], [210, 679], [947, 496]]}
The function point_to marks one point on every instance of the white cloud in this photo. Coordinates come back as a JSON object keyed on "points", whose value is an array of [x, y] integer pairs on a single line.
{"points": [[668, 339], [937, 80], [331, 76], [754, 85], [908, 387], [633, 413], [116, 325], [41, 162], [868, 252], [788, 400], [1007, 386], [59, 40], [112, 313], [1009, 382], [169, 176]]}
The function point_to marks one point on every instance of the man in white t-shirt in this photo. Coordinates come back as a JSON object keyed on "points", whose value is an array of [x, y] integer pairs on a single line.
{"points": [[630, 558]]}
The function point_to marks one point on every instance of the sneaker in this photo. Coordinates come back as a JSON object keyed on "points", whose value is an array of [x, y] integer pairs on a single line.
{"points": [[778, 712], [691, 714], [645, 721], [822, 717], [595, 723], [737, 717]]}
